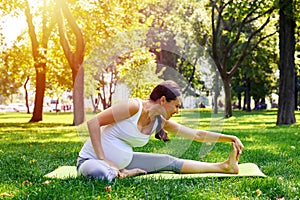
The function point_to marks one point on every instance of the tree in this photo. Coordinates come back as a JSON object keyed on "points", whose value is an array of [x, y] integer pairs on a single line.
{"points": [[14, 69], [229, 20], [297, 58], [176, 36], [39, 51], [102, 81], [58, 72], [75, 59], [21, 55], [287, 26], [112, 30], [256, 76]]}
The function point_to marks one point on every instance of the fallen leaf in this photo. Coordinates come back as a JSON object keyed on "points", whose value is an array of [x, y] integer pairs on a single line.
{"points": [[5, 194], [258, 192], [108, 188], [46, 182], [32, 161], [26, 182], [280, 179], [280, 198]]}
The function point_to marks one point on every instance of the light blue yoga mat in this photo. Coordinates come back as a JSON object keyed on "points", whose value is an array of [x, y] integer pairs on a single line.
{"points": [[245, 169]]}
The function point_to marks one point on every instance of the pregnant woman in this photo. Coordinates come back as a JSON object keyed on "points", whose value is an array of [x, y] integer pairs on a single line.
{"points": [[108, 152]]}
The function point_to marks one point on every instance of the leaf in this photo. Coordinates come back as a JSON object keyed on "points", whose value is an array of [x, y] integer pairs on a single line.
{"points": [[108, 188], [47, 182], [5, 194], [258, 192]]}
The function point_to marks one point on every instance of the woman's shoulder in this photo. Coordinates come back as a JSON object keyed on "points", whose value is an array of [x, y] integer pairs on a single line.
{"points": [[134, 105], [118, 112]]}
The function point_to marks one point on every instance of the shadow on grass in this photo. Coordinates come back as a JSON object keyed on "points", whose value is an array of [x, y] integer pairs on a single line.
{"points": [[33, 125]]}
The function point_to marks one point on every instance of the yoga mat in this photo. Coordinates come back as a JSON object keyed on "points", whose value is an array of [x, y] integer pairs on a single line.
{"points": [[63, 172], [245, 169]]}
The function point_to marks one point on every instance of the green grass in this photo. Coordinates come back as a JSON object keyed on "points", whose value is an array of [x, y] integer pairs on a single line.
{"points": [[30, 150]]}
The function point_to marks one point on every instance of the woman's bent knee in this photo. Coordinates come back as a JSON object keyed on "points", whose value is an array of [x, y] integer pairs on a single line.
{"points": [[97, 169]]}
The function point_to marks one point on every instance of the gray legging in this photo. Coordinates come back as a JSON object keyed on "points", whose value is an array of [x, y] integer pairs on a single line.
{"points": [[147, 161]]}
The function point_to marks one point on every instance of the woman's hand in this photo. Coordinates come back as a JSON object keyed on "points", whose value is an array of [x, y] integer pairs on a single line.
{"points": [[110, 163]]}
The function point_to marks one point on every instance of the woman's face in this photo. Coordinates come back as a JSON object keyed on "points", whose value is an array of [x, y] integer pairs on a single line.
{"points": [[172, 107]]}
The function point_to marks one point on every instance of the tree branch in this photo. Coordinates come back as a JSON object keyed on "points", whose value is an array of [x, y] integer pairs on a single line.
{"points": [[237, 37], [31, 29], [47, 30], [220, 10], [215, 35], [63, 37], [245, 51], [269, 11], [261, 39], [243, 23], [80, 43]]}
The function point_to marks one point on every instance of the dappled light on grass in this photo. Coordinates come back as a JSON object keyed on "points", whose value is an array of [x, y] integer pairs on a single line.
{"points": [[54, 128], [15, 132]]}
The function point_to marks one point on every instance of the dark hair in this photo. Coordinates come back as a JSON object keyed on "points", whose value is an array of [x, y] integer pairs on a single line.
{"points": [[171, 91], [168, 88]]}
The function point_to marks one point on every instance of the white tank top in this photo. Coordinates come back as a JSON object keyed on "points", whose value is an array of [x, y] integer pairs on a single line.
{"points": [[118, 139]]}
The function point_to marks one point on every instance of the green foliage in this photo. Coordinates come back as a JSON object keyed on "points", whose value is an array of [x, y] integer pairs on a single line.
{"points": [[138, 72], [112, 29], [179, 31], [103, 20], [28, 151], [15, 67], [59, 74], [264, 61]]}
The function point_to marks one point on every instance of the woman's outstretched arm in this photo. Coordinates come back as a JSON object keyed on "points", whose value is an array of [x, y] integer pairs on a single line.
{"points": [[202, 135]]}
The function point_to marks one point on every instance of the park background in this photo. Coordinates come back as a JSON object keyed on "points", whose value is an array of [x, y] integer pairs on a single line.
{"points": [[231, 57]]}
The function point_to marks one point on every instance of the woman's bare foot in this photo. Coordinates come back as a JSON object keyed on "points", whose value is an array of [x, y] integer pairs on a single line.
{"points": [[123, 173], [231, 166]]}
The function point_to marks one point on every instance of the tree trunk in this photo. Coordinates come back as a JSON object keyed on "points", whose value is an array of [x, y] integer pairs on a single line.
{"points": [[215, 103], [75, 59], [244, 101], [26, 94], [39, 95], [78, 97], [247, 95], [216, 92], [239, 101], [296, 91], [286, 103], [94, 103], [227, 89], [39, 51]]}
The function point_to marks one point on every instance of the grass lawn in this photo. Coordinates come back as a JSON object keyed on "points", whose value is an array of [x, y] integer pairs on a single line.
{"points": [[29, 151]]}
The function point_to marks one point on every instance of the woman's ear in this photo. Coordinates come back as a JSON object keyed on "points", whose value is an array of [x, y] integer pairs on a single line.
{"points": [[162, 100]]}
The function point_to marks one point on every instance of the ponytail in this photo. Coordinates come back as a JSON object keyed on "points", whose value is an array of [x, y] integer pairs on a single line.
{"points": [[160, 133]]}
